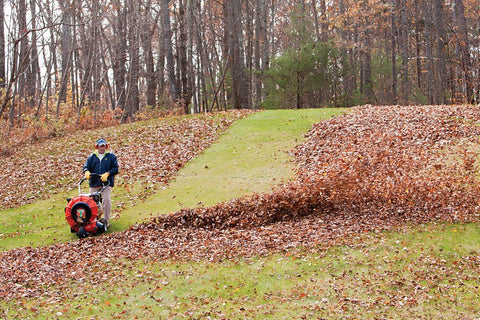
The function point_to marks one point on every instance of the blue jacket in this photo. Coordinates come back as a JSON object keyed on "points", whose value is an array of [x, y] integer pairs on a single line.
{"points": [[94, 165]]}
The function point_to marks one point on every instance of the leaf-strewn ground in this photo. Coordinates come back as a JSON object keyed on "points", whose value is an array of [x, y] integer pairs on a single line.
{"points": [[150, 153], [373, 169]]}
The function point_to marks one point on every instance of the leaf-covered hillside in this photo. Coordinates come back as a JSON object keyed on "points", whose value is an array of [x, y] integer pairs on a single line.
{"points": [[372, 169], [150, 154]]}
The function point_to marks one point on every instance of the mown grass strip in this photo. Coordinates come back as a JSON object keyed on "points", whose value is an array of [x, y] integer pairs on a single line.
{"points": [[252, 156]]}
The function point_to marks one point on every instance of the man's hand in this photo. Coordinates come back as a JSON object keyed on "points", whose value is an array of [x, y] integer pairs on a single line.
{"points": [[87, 174], [104, 176]]}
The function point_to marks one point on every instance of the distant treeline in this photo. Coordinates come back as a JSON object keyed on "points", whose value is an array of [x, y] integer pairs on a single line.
{"points": [[89, 56]]}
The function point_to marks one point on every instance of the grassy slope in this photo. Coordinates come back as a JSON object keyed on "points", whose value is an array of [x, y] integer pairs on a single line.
{"points": [[427, 272], [251, 157]]}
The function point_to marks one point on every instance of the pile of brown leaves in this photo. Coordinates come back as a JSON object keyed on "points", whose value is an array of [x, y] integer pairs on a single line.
{"points": [[373, 169], [419, 162]]}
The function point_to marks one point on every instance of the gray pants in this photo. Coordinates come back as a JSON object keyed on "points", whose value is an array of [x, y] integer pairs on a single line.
{"points": [[107, 202]]}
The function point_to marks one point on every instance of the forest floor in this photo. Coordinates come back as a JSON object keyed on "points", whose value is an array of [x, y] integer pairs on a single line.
{"points": [[360, 174]]}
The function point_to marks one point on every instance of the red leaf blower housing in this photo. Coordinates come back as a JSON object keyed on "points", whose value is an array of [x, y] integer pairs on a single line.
{"points": [[83, 212]]}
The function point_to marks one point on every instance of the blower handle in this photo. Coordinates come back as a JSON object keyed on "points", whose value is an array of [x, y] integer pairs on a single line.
{"points": [[96, 175]]}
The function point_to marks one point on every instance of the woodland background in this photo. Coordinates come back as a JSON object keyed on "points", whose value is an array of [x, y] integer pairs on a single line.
{"points": [[88, 63]]}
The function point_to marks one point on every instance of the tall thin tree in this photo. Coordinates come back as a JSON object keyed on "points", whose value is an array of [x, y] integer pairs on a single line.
{"points": [[235, 53], [167, 39], [2, 45]]}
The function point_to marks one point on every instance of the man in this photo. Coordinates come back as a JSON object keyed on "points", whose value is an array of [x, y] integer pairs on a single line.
{"points": [[103, 163]]}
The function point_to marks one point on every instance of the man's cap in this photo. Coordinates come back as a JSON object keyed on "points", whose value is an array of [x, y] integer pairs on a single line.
{"points": [[101, 141]]}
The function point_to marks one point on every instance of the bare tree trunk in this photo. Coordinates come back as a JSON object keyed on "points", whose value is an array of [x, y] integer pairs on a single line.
{"points": [[394, 52], [324, 24], [261, 44], [405, 58], [418, 44], [67, 50], [463, 44], [45, 91], [148, 29], [120, 55], [192, 73], [249, 44], [24, 61], [13, 78], [167, 38], [216, 65], [106, 77], [233, 29], [97, 78], [34, 82], [366, 69], [133, 102], [77, 64], [52, 48], [347, 55], [160, 74], [2, 45], [185, 92], [90, 80], [84, 61], [203, 61], [316, 18], [438, 20], [429, 54]]}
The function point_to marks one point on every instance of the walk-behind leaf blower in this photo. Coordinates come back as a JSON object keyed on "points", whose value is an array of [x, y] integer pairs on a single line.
{"points": [[84, 212]]}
